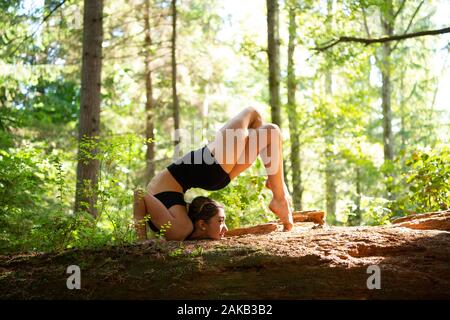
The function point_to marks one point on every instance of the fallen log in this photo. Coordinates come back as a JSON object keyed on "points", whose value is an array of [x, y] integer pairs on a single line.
{"points": [[258, 229], [336, 263], [309, 216], [421, 216], [317, 217], [429, 221]]}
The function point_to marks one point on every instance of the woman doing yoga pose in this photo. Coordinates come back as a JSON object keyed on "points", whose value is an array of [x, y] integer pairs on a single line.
{"points": [[236, 146]]}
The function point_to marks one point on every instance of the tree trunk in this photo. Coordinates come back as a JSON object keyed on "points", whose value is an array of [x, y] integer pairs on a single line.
{"points": [[355, 220], [292, 115], [273, 50], [176, 105], [89, 130], [403, 118], [358, 193], [402, 103], [149, 109], [387, 22], [330, 181]]}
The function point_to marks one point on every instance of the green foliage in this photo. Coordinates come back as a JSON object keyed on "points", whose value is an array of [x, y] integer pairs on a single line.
{"points": [[37, 193], [118, 155], [32, 200], [182, 251], [21, 186], [427, 181], [49, 102], [246, 199], [372, 211]]}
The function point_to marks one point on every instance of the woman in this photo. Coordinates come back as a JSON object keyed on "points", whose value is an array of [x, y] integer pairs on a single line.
{"points": [[220, 162]]}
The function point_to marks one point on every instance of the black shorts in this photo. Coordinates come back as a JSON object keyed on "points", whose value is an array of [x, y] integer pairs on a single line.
{"points": [[168, 199], [199, 169]]}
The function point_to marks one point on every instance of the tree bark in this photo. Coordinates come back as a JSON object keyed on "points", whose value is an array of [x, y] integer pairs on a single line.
{"points": [[330, 181], [428, 221], [149, 108], [309, 216], [258, 229], [296, 170], [273, 51], [387, 24], [355, 219], [176, 105], [419, 216], [89, 129]]}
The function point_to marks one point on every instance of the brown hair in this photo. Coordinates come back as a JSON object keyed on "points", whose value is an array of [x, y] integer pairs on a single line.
{"points": [[203, 208]]}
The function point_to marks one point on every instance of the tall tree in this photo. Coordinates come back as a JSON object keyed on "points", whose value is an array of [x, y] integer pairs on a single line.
{"points": [[330, 180], [149, 108], [294, 133], [273, 51], [387, 23], [89, 121], [176, 104]]}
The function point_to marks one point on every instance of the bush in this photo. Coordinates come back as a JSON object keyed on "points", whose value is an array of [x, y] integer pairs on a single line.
{"points": [[23, 177], [246, 199], [36, 198], [427, 182]]}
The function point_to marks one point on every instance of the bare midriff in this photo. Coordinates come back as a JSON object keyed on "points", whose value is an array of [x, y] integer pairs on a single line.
{"points": [[163, 181]]}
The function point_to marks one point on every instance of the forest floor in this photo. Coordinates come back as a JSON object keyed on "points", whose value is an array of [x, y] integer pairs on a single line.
{"points": [[310, 262]]}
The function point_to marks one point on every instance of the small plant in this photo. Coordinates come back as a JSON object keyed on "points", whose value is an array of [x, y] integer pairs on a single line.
{"points": [[182, 251], [196, 252], [163, 230], [178, 252]]}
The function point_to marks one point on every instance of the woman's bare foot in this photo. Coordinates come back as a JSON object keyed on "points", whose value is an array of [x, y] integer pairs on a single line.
{"points": [[282, 208]]}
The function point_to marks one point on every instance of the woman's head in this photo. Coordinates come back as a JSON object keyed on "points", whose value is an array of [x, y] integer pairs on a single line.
{"points": [[208, 217]]}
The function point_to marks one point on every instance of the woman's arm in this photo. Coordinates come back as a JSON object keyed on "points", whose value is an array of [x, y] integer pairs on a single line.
{"points": [[147, 205], [139, 213]]}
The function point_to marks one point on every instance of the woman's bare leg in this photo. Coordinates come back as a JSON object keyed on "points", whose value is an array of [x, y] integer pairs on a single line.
{"points": [[235, 150], [230, 140], [267, 142], [281, 202]]}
